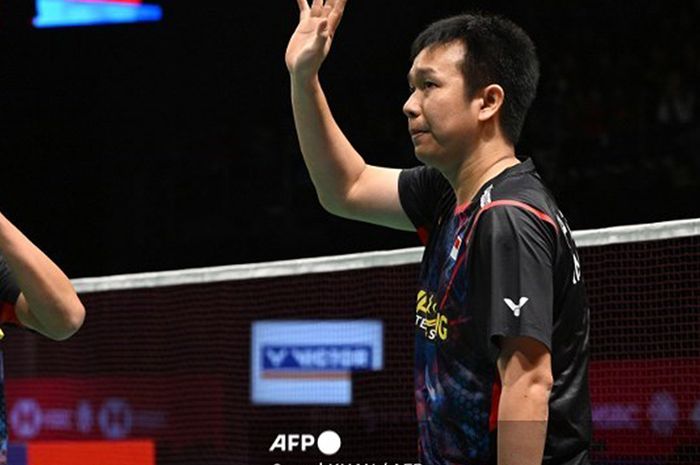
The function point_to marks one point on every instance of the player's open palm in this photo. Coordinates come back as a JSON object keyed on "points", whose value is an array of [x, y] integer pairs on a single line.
{"points": [[312, 38]]}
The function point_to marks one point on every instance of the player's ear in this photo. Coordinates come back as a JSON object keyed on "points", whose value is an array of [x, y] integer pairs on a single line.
{"points": [[491, 101]]}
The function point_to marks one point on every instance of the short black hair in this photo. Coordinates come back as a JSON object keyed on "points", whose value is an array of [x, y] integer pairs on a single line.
{"points": [[497, 51]]}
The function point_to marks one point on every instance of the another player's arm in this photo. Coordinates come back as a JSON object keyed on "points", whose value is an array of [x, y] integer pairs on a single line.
{"points": [[345, 184], [48, 302], [524, 365]]}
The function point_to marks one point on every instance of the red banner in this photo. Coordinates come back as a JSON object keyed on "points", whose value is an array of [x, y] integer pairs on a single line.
{"points": [[645, 407], [116, 408], [640, 408], [91, 452]]}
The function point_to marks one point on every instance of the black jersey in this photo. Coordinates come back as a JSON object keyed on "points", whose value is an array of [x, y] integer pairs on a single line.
{"points": [[505, 264]]}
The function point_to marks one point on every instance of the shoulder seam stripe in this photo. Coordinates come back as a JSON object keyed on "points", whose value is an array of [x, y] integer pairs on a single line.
{"points": [[515, 203]]}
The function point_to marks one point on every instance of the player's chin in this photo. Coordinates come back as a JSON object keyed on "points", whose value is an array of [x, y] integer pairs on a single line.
{"points": [[424, 154]]}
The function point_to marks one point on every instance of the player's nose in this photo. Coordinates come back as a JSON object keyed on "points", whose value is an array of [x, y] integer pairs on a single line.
{"points": [[411, 108]]}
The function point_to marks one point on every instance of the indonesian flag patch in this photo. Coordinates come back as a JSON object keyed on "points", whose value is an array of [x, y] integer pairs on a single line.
{"points": [[455, 248]]}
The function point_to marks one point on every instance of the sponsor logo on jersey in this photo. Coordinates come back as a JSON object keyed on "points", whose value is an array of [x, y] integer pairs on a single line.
{"points": [[486, 197], [516, 308], [577, 270], [428, 318], [572, 247]]}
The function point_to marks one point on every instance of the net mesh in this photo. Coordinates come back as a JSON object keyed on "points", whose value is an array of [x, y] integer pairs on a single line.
{"points": [[172, 362], [645, 349]]}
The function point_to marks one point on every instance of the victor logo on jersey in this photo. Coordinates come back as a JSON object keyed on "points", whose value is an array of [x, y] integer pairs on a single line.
{"points": [[428, 318], [516, 308]]}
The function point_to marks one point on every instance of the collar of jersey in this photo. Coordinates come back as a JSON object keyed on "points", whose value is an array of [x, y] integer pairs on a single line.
{"points": [[525, 166]]}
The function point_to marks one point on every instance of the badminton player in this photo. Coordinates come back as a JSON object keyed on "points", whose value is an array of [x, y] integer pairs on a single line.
{"points": [[34, 292], [501, 318]]}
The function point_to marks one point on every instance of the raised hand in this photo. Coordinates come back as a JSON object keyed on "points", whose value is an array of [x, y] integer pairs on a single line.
{"points": [[311, 41]]}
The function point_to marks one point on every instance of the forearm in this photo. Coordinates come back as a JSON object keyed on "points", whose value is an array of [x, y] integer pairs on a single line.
{"points": [[522, 424], [52, 305], [334, 165]]}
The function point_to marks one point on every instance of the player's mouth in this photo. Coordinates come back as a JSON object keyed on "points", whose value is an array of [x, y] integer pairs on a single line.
{"points": [[417, 133]]}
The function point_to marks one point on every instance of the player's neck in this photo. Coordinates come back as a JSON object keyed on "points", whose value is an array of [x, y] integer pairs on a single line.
{"points": [[485, 163]]}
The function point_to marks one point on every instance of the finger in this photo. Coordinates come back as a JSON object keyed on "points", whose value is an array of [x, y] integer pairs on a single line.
{"points": [[339, 6], [316, 7], [326, 11], [335, 15], [303, 5], [327, 8]]}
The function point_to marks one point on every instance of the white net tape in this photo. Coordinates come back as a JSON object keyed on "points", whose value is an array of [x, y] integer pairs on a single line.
{"points": [[584, 238]]}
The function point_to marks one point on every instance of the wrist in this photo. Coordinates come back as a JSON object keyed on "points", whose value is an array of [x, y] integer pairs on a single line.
{"points": [[302, 80]]}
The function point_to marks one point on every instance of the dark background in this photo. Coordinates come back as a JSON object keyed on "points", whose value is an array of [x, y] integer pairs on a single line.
{"points": [[171, 145]]}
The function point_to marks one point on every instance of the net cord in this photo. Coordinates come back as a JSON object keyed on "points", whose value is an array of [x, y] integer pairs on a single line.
{"points": [[583, 238]]}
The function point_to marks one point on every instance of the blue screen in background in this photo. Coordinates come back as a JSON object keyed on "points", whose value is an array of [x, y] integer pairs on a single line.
{"points": [[62, 13]]}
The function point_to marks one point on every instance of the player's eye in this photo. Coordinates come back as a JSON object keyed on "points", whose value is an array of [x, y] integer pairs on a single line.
{"points": [[429, 84]]}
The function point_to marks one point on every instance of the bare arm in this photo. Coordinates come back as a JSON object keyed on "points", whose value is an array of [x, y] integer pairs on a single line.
{"points": [[345, 184], [524, 366], [48, 303]]}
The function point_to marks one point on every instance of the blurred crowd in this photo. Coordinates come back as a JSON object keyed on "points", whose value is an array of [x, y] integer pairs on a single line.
{"points": [[172, 145], [614, 130], [617, 115]]}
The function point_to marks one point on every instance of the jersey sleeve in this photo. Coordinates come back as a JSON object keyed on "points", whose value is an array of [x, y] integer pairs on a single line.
{"points": [[9, 292], [420, 191], [513, 261]]}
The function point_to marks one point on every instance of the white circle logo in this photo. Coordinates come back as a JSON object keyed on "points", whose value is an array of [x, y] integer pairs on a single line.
{"points": [[328, 442], [115, 418], [26, 418]]}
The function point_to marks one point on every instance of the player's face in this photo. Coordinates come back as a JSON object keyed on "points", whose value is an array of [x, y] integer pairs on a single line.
{"points": [[441, 120]]}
